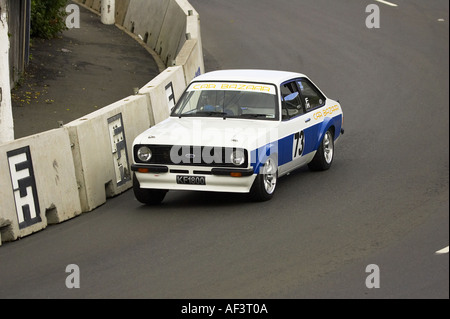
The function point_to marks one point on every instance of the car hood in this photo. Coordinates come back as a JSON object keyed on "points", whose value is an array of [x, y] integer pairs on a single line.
{"points": [[214, 132]]}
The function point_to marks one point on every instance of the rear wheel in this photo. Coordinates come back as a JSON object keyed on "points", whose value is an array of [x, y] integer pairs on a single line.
{"points": [[148, 196], [324, 155], [265, 183]]}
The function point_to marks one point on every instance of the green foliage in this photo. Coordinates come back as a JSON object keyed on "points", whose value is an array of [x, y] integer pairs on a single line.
{"points": [[48, 18]]}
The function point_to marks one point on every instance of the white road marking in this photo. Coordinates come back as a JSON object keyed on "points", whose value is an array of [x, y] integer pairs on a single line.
{"points": [[388, 3], [442, 251]]}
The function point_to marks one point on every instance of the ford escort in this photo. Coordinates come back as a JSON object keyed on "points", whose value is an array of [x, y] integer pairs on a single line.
{"points": [[237, 131]]}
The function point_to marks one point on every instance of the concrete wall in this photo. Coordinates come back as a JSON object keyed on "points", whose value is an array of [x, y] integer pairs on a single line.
{"points": [[38, 184], [136, 20], [121, 11], [56, 175], [102, 144], [191, 54], [163, 92]]}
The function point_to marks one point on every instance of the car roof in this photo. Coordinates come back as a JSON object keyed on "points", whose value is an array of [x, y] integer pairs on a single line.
{"points": [[248, 75]]}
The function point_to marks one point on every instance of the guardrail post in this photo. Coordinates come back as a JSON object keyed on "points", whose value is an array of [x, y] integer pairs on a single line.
{"points": [[108, 11]]}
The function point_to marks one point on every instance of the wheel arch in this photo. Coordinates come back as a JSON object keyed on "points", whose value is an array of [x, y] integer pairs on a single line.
{"points": [[261, 154], [327, 124]]}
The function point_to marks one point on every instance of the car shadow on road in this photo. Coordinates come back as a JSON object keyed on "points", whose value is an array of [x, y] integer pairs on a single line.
{"points": [[196, 199]]}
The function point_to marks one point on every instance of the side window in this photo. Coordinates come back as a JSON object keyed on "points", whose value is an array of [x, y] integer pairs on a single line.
{"points": [[291, 100], [312, 98]]}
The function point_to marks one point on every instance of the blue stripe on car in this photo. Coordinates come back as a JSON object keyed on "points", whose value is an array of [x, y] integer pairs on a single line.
{"points": [[283, 147]]}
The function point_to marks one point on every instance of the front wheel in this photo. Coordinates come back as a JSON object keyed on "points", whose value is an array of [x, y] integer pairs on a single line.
{"points": [[325, 154], [265, 183], [148, 196]]}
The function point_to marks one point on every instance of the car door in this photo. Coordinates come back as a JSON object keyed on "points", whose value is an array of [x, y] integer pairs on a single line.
{"points": [[293, 128], [314, 101]]}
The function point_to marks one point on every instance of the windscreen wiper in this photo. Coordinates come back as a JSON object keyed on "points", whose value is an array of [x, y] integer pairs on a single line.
{"points": [[254, 115], [212, 113]]}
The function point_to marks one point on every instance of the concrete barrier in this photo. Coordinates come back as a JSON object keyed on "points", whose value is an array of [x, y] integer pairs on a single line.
{"points": [[191, 54], [168, 31], [56, 175], [145, 19], [96, 5], [87, 3], [163, 30], [163, 93], [38, 184], [102, 141], [173, 33], [121, 11], [102, 144]]}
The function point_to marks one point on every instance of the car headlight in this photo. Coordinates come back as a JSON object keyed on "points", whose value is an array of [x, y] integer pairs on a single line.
{"points": [[237, 157], [144, 154]]}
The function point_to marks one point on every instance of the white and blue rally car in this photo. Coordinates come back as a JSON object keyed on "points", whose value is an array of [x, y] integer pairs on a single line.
{"points": [[237, 131]]}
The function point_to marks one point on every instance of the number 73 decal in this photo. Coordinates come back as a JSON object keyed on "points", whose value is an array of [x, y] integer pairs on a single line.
{"points": [[298, 145]]}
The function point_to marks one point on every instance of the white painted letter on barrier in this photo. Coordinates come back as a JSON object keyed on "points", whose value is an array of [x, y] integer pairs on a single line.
{"points": [[73, 280], [73, 19], [119, 149], [373, 280], [24, 187], [373, 19]]}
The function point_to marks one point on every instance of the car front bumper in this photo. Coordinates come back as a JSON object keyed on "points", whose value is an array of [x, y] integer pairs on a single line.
{"points": [[209, 179]]}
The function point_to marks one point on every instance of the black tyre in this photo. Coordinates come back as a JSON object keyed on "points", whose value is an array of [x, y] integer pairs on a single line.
{"points": [[148, 196], [265, 183], [324, 155]]}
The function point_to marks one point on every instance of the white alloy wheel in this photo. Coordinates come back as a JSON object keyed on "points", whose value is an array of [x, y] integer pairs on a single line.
{"points": [[328, 147], [270, 176]]}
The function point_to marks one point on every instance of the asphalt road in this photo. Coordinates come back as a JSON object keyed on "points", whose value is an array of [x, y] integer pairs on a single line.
{"points": [[384, 202]]}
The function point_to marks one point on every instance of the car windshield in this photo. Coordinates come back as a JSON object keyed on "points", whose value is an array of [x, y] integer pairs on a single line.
{"points": [[228, 100]]}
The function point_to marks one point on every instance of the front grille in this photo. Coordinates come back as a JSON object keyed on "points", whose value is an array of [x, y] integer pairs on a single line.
{"points": [[191, 156]]}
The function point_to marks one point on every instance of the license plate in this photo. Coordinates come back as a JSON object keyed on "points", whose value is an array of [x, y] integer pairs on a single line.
{"points": [[191, 180]]}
